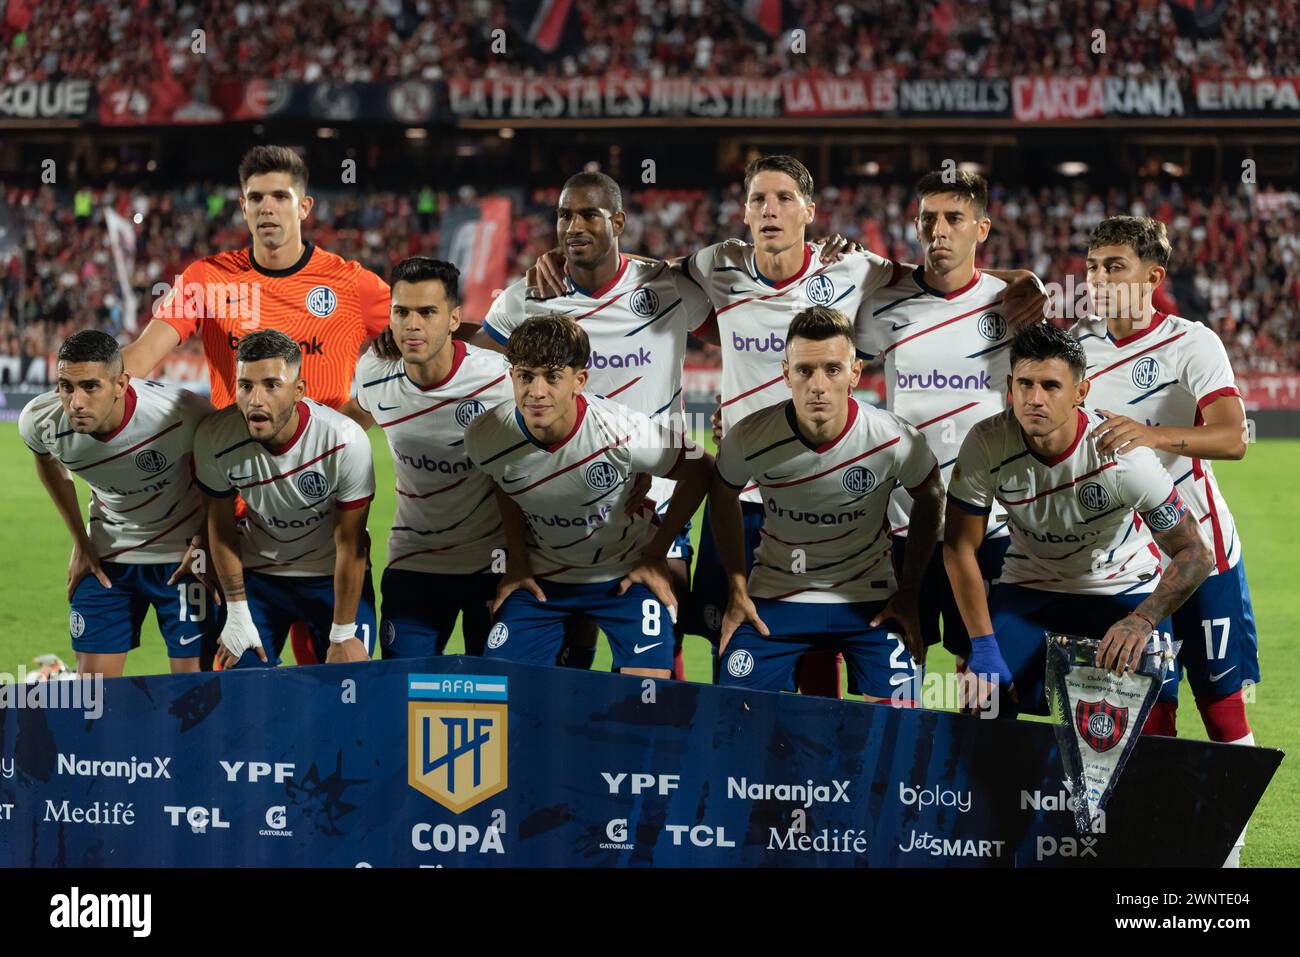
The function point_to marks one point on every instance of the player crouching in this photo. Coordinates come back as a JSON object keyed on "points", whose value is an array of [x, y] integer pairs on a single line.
{"points": [[563, 466], [307, 476], [823, 576]]}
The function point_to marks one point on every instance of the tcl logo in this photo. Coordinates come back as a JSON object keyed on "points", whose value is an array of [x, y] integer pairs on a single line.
{"points": [[701, 835], [254, 771], [198, 818], [641, 783]]}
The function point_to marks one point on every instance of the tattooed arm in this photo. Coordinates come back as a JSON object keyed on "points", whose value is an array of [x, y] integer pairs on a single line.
{"points": [[1222, 436]]}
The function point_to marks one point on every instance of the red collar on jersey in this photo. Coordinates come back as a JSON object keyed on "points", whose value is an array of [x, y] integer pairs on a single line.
{"points": [[307, 249], [458, 353], [782, 283], [1078, 437], [554, 446], [918, 276], [128, 399], [1157, 319], [597, 293], [793, 420], [304, 413]]}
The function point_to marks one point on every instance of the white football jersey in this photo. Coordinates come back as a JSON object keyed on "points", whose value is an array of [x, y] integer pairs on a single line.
{"points": [[946, 365], [447, 521], [144, 505], [1071, 517], [574, 492], [637, 324], [825, 534], [754, 315], [293, 492], [1165, 375]]}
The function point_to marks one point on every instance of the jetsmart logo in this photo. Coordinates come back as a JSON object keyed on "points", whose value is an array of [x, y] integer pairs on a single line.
{"points": [[76, 910], [130, 770], [806, 794], [938, 380]]}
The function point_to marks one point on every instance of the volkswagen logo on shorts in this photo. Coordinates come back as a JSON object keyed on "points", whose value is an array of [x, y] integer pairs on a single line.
{"points": [[992, 326], [1094, 497], [1145, 372], [1163, 518], [859, 480], [820, 289], [601, 476], [498, 635], [76, 624], [150, 460], [740, 663], [321, 301], [644, 302], [312, 484], [468, 411]]}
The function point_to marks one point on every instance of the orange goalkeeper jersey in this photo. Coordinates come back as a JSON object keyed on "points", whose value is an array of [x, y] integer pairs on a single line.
{"points": [[329, 304]]}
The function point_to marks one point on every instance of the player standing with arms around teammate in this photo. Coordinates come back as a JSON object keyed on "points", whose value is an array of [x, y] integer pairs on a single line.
{"points": [[823, 574], [306, 473], [1078, 561], [564, 466], [447, 547], [132, 443], [1165, 383]]}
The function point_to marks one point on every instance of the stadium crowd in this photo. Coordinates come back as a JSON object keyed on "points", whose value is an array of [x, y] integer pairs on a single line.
{"points": [[125, 41], [1236, 254]]}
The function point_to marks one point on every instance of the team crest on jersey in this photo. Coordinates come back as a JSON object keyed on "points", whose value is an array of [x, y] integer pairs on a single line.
{"points": [[992, 326], [312, 484], [1164, 518], [740, 663], [820, 289], [1094, 497], [1145, 372], [321, 301], [457, 751], [601, 476], [468, 411], [859, 480], [1100, 723], [498, 635], [150, 460], [76, 624], [644, 302]]}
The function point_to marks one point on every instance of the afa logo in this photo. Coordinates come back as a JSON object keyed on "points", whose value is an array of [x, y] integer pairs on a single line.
{"points": [[992, 326], [859, 480], [740, 663], [1100, 724], [601, 476], [456, 738], [151, 461], [1094, 497], [76, 624], [498, 635], [1145, 372], [321, 301], [313, 484], [468, 411], [644, 302], [820, 289]]}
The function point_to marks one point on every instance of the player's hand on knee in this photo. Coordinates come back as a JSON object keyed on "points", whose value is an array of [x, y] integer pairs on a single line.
{"points": [[901, 610], [85, 561], [1121, 648], [640, 489], [653, 573], [545, 278], [351, 650], [522, 578], [238, 636], [834, 248], [385, 346], [740, 610]]}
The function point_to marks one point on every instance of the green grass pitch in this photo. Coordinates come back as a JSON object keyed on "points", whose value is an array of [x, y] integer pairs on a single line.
{"points": [[34, 611]]}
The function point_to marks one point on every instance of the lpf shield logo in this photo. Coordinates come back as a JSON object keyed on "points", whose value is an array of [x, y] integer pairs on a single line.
{"points": [[456, 738], [1100, 723]]}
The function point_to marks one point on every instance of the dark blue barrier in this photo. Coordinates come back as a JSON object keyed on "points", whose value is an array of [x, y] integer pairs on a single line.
{"points": [[348, 765]]}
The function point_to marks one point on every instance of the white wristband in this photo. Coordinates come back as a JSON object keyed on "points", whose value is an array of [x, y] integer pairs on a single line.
{"points": [[342, 633]]}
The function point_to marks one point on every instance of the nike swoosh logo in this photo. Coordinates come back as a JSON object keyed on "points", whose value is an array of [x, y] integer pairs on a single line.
{"points": [[512, 481], [190, 640], [899, 325], [736, 292], [1011, 491], [386, 408], [1222, 673], [637, 649], [1167, 680]]}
